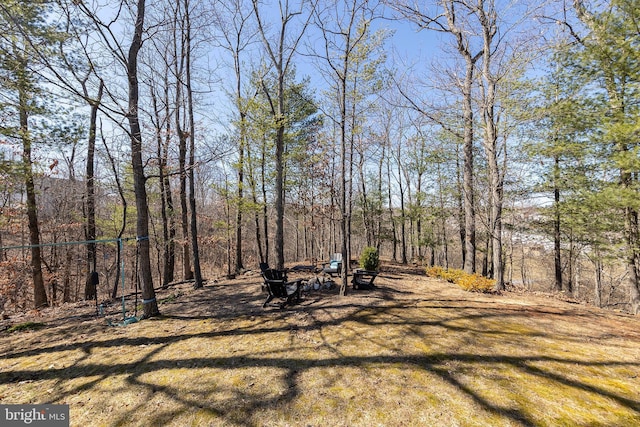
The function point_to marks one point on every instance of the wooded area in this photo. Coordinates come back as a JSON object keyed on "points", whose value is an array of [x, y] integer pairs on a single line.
{"points": [[210, 136]]}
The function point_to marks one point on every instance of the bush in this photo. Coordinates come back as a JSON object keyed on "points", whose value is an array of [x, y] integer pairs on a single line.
{"points": [[435, 271], [468, 282], [369, 259]]}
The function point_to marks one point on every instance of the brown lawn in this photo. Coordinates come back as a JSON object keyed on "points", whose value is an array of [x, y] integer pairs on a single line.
{"points": [[414, 351]]}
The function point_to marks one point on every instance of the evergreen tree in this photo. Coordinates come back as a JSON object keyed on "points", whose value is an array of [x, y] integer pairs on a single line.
{"points": [[592, 144], [24, 103], [609, 61], [302, 123]]}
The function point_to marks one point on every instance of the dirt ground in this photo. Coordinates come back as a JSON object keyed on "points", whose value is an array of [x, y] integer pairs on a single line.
{"points": [[427, 352], [242, 296]]}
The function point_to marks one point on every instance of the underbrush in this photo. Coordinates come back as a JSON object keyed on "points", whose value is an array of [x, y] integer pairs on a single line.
{"points": [[469, 282]]}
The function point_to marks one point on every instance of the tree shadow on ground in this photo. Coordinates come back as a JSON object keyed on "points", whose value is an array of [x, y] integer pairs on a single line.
{"points": [[390, 322]]}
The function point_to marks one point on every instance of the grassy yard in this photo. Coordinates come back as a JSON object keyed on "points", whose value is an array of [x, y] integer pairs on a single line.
{"points": [[414, 351]]}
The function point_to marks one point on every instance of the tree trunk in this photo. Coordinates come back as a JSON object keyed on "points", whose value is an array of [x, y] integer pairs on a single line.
{"points": [[90, 234], [367, 220], [166, 202], [167, 210], [195, 250], [569, 284], [467, 176], [139, 180], [403, 214], [418, 211], [379, 199], [461, 221], [443, 224], [343, 182], [463, 45], [488, 19], [633, 263], [279, 202], [486, 252], [392, 221], [39, 292], [254, 199], [557, 248], [265, 217], [597, 291], [66, 281], [187, 271], [240, 204]]}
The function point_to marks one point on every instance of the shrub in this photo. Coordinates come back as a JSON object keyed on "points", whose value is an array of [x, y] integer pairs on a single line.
{"points": [[435, 271], [468, 282], [453, 275], [369, 259]]}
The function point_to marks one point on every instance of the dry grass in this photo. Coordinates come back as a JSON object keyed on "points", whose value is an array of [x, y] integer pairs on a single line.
{"points": [[414, 351]]}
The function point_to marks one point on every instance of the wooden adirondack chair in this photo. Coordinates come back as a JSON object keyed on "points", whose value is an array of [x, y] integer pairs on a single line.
{"points": [[277, 286]]}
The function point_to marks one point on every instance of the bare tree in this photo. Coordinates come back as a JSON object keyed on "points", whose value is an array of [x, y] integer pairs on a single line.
{"points": [[90, 230], [179, 64], [345, 29], [150, 305], [233, 21], [161, 119], [280, 51], [195, 251], [453, 20], [487, 16]]}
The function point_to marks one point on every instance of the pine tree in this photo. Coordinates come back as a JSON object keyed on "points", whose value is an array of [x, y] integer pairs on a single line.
{"points": [[610, 63], [592, 145], [24, 104]]}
